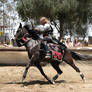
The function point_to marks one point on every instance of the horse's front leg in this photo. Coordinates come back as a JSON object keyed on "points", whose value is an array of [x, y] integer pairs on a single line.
{"points": [[26, 69], [25, 72], [42, 72]]}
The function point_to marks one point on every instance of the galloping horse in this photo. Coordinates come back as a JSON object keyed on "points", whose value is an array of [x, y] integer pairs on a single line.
{"points": [[36, 55]]}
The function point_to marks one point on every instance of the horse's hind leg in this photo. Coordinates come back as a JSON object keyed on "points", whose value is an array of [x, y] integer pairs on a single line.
{"points": [[68, 59], [55, 65], [77, 70]]}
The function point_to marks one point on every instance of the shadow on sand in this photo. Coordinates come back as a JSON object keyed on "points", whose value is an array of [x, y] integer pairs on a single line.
{"points": [[36, 82]]}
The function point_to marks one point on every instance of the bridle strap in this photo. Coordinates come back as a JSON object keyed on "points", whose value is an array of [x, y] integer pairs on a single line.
{"points": [[23, 36]]}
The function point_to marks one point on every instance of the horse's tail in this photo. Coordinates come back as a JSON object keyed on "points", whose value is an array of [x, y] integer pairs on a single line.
{"points": [[78, 56]]}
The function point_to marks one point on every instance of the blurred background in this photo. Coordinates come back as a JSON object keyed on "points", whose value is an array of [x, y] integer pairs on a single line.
{"points": [[71, 18]]}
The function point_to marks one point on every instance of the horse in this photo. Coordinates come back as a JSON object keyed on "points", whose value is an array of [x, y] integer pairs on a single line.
{"points": [[36, 55]]}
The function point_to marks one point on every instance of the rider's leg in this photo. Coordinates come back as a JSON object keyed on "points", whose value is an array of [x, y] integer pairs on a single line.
{"points": [[46, 49], [54, 40]]}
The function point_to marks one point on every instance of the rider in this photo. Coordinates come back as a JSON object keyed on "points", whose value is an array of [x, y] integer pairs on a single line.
{"points": [[47, 32]]}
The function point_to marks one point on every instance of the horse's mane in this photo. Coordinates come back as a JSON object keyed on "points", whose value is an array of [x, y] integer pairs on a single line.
{"points": [[33, 34], [27, 27]]}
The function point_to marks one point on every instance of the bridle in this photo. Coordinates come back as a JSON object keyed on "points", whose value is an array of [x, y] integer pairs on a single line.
{"points": [[22, 36]]}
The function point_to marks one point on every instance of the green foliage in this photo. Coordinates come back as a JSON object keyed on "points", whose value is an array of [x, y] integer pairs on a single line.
{"points": [[35, 8], [72, 14], [7, 13], [3, 1]]}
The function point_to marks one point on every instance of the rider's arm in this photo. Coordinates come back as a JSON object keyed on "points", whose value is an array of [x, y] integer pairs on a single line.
{"points": [[46, 28], [37, 30], [43, 29]]}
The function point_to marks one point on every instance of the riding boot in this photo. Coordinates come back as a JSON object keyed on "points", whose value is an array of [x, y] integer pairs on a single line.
{"points": [[47, 50]]}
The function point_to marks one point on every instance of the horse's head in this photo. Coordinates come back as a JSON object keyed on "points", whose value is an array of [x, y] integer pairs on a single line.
{"points": [[21, 35]]}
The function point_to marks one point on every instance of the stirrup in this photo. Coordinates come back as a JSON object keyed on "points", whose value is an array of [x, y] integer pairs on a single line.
{"points": [[47, 55]]}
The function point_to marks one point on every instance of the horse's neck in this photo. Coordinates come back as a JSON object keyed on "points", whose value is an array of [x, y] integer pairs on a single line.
{"points": [[32, 44]]}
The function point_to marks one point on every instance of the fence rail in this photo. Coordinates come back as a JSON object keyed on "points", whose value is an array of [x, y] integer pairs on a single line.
{"points": [[19, 56]]}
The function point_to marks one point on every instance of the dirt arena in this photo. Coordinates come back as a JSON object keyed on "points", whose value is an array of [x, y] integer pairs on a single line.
{"points": [[69, 81]]}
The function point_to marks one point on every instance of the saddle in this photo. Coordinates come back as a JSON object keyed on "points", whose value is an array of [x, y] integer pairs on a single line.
{"points": [[56, 51]]}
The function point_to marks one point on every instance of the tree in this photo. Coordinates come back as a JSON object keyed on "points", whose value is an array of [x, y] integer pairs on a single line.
{"points": [[7, 17], [3, 13], [71, 13]]}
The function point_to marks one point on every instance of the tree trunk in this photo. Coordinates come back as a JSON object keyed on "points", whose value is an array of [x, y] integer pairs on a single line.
{"points": [[61, 29]]}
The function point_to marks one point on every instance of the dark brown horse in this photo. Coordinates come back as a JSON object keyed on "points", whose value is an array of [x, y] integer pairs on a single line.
{"points": [[36, 55]]}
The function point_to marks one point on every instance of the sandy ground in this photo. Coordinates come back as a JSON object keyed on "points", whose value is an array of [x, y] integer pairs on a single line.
{"points": [[69, 81]]}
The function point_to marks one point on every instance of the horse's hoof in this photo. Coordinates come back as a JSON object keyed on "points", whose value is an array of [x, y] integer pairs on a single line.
{"points": [[55, 77], [23, 79], [51, 82], [84, 79]]}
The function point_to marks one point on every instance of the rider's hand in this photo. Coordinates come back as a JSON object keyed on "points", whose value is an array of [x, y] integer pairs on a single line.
{"points": [[36, 29]]}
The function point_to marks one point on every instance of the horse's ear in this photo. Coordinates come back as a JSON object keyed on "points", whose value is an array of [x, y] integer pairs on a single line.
{"points": [[20, 26]]}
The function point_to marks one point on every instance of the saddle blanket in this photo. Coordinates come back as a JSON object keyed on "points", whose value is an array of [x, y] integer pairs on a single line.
{"points": [[57, 55], [56, 51]]}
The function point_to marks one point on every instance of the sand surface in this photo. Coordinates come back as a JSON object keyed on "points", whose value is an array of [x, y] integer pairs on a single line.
{"points": [[69, 81]]}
